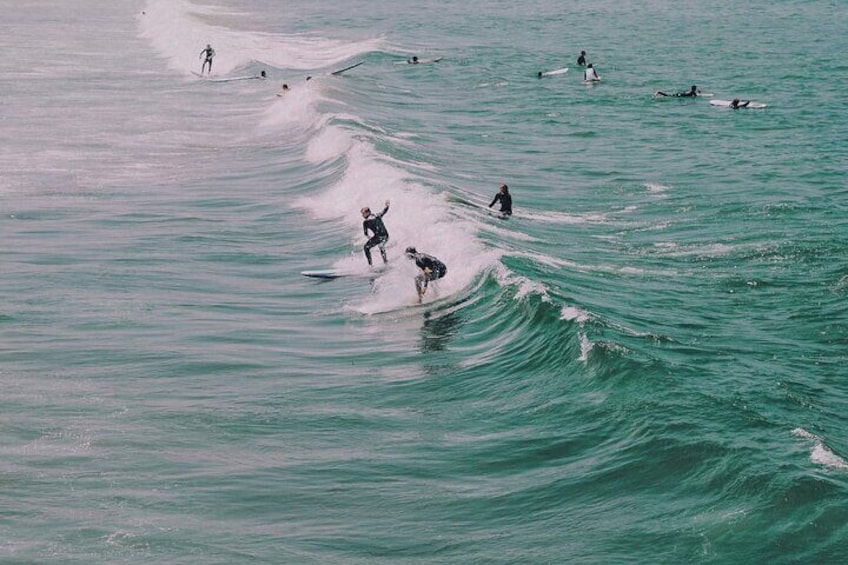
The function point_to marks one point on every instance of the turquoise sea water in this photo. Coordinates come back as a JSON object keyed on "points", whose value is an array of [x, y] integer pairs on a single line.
{"points": [[643, 365]]}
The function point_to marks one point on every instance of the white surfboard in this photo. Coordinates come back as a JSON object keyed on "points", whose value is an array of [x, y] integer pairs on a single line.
{"points": [[211, 78], [726, 104], [554, 72], [419, 61], [233, 79]]}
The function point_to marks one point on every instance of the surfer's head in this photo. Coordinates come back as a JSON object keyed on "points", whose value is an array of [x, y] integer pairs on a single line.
{"points": [[410, 252], [365, 212]]}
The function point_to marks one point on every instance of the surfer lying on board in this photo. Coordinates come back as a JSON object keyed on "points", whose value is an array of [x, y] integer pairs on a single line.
{"points": [[413, 61], [431, 269], [736, 104], [374, 222], [505, 199], [691, 92], [590, 74], [209, 53]]}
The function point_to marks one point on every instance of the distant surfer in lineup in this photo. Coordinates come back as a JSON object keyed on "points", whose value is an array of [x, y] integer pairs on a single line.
{"points": [[209, 53], [581, 60], [590, 74], [736, 104], [413, 61], [284, 90], [505, 199], [374, 224], [691, 92], [431, 269]]}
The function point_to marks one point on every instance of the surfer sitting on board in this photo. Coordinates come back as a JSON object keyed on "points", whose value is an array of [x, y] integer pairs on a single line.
{"points": [[431, 269], [590, 74], [505, 199], [736, 104], [209, 53], [581, 60], [691, 92], [374, 222]]}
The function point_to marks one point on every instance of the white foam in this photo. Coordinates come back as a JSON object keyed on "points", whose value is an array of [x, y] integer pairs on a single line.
{"points": [[819, 453], [180, 29]]}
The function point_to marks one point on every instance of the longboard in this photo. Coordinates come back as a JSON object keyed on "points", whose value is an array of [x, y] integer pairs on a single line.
{"points": [[419, 61], [208, 78], [726, 104], [554, 72]]}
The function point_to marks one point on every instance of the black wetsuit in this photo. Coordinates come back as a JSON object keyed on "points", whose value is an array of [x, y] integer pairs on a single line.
{"points": [[435, 270], [581, 60], [506, 203], [374, 222], [687, 94]]}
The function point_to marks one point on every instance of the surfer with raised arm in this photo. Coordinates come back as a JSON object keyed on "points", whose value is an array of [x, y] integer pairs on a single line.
{"points": [[374, 224], [736, 103], [431, 270], [689, 93], [505, 199], [209, 53]]}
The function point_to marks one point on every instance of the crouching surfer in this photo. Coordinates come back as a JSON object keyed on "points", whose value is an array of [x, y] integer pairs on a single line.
{"points": [[431, 270]]}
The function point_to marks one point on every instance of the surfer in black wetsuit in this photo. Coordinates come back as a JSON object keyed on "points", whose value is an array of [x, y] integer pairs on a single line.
{"points": [[691, 92], [209, 53], [431, 269], [736, 104], [505, 199], [581, 60], [374, 223]]}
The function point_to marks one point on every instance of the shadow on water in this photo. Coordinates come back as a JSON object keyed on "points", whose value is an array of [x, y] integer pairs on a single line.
{"points": [[438, 330]]}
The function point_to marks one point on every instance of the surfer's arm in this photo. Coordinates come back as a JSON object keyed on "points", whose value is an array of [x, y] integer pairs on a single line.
{"points": [[386, 209], [495, 199]]}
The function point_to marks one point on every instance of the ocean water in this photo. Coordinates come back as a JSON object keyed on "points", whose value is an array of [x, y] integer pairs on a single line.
{"points": [[645, 364]]}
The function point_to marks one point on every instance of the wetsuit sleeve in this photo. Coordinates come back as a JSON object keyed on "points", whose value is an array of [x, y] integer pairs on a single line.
{"points": [[495, 199], [383, 213], [365, 227]]}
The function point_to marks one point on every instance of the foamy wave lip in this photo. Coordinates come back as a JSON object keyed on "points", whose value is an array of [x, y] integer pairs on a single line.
{"points": [[820, 454], [570, 313]]}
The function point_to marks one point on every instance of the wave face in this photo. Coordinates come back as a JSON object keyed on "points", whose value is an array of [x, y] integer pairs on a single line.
{"points": [[642, 364]]}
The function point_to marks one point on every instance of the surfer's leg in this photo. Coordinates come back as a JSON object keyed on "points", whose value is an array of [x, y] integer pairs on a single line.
{"points": [[383, 250]]}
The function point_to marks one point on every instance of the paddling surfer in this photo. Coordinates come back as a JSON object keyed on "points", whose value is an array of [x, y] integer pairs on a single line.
{"points": [[689, 93]]}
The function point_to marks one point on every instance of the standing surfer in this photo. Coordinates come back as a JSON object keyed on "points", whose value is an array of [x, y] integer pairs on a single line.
{"points": [[374, 223], [209, 53]]}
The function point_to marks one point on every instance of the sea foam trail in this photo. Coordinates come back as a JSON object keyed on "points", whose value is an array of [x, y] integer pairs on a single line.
{"points": [[179, 29]]}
